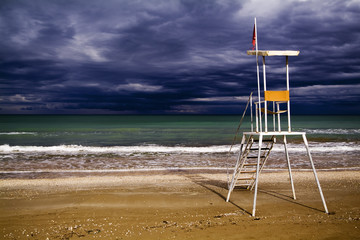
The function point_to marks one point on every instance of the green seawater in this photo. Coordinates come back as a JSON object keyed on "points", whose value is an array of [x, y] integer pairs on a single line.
{"points": [[165, 130]]}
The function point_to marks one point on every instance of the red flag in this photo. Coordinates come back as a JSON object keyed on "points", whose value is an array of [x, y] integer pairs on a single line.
{"points": [[254, 38]]}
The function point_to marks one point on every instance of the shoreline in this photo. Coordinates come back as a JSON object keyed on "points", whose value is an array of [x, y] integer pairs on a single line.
{"points": [[68, 173], [180, 205]]}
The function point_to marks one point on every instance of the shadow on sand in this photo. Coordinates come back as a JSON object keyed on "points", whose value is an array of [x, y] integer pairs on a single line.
{"points": [[211, 185]]}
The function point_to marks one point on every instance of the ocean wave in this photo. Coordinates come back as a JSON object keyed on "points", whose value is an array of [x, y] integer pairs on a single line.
{"points": [[81, 150], [320, 147], [331, 131], [18, 133], [78, 149]]}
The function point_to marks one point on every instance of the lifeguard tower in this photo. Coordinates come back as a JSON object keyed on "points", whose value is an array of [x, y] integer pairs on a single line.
{"points": [[256, 145]]}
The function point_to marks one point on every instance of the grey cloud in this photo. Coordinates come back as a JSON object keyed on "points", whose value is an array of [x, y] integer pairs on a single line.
{"points": [[171, 56]]}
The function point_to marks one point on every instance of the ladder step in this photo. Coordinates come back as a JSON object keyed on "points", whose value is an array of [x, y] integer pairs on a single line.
{"points": [[255, 149], [250, 171], [246, 178], [242, 184], [264, 140], [255, 156], [250, 164]]}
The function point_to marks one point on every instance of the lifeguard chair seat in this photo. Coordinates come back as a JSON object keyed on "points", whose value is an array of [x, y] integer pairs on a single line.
{"points": [[277, 97]]}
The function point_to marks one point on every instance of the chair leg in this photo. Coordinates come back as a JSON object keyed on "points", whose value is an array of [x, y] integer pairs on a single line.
{"points": [[315, 174], [289, 167], [257, 174]]}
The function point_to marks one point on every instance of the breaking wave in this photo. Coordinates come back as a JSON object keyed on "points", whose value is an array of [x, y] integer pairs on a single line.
{"points": [[331, 131], [18, 133], [81, 150]]}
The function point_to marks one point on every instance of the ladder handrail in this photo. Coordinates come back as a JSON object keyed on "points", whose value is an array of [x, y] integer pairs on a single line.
{"points": [[242, 118], [243, 159]]}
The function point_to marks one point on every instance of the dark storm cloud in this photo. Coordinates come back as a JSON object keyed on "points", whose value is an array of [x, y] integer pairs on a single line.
{"points": [[174, 56]]}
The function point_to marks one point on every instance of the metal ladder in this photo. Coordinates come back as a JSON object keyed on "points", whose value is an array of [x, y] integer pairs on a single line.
{"points": [[246, 165]]}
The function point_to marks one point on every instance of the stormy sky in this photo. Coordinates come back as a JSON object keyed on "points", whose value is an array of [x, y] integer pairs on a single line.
{"points": [[174, 56]]}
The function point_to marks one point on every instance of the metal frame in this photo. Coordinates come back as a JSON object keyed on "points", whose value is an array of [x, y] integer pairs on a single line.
{"points": [[259, 103], [258, 169], [243, 153]]}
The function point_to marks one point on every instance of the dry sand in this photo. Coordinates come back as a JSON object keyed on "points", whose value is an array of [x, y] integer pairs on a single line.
{"points": [[179, 206]]}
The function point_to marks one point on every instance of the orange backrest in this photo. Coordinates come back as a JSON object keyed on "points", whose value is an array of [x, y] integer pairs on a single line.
{"points": [[276, 95]]}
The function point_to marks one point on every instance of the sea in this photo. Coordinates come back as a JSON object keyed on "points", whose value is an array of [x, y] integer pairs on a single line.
{"points": [[34, 146]]}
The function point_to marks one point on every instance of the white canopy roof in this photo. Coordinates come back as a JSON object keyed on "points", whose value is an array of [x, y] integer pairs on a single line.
{"points": [[274, 52]]}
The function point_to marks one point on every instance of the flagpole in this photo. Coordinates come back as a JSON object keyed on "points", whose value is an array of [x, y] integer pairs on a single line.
{"points": [[258, 74]]}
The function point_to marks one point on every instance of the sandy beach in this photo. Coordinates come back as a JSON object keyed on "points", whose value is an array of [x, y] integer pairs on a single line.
{"points": [[179, 205]]}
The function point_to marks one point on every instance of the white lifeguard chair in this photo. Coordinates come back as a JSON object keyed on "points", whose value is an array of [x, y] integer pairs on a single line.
{"points": [[256, 145]]}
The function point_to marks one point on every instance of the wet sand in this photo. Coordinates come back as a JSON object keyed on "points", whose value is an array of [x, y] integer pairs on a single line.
{"points": [[188, 205]]}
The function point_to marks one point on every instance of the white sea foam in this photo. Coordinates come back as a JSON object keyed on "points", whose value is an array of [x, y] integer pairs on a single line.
{"points": [[78, 149], [320, 147], [18, 133], [332, 131], [81, 150]]}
